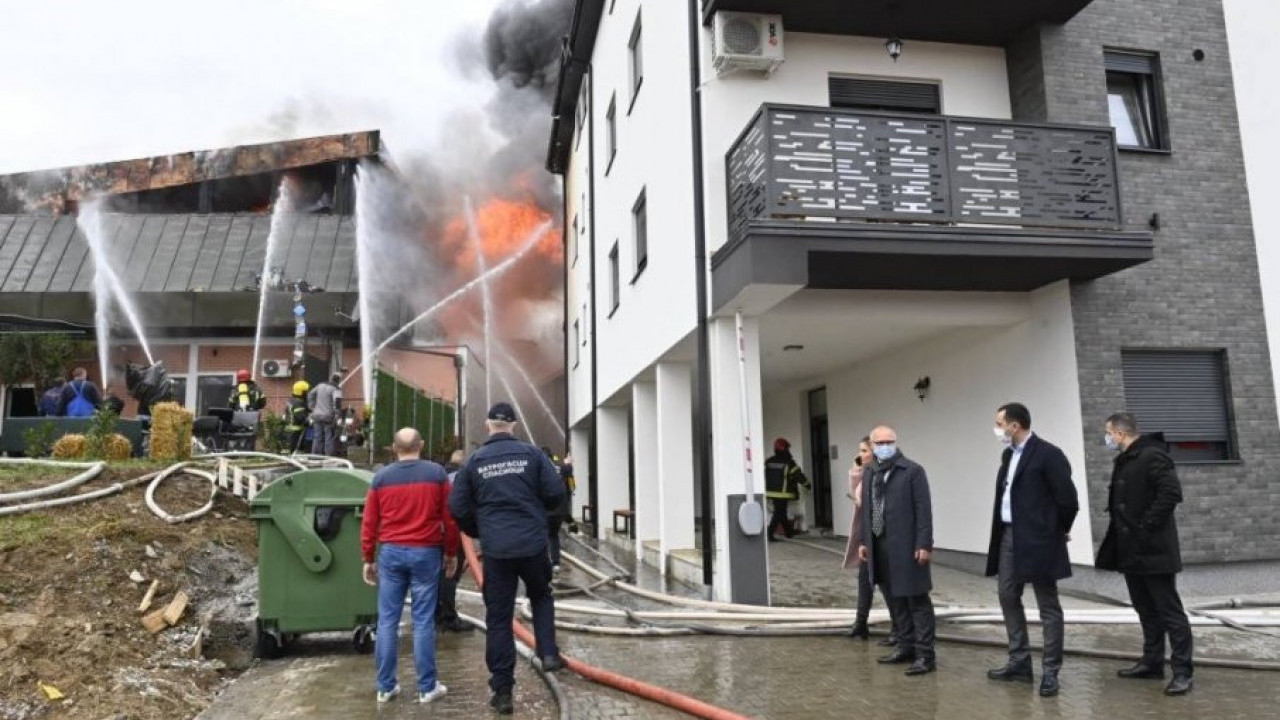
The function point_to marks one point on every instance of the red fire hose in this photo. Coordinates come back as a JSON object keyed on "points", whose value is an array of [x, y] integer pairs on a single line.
{"points": [[670, 698]]}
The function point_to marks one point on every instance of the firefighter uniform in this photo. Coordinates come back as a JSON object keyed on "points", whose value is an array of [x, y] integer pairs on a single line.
{"points": [[783, 479]]}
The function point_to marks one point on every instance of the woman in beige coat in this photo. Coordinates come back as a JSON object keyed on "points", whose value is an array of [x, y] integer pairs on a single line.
{"points": [[861, 462]]}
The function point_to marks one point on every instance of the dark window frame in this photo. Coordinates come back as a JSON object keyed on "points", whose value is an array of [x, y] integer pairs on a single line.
{"points": [[582, 110], [577, 348], [640, 232], [576, 240], [1231, 443], [635, 59], [1124, 64], [611, 132], [615, 279]]}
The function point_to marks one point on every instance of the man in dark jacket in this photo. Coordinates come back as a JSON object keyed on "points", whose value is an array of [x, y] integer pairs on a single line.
{"points": [[1142, 543], [502, 495], [80, 397], [447, 601], [246, 396], [1035, 507], [298, 415], [783, 479], [51, 398], [897, 544]]}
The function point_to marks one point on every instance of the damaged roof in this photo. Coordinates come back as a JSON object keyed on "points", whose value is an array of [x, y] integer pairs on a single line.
{"points": [[176, 253], [53, 190]]}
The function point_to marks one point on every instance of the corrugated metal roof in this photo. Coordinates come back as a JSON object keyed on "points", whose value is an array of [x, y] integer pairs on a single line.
{"points": [[176, 253]]}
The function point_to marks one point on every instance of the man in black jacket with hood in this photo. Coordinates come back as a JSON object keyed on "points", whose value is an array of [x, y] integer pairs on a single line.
{"points": [[1142, 543]]}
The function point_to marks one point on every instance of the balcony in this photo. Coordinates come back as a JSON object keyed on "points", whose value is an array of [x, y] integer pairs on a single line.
{"points": [[976, 22], [832, 198]]}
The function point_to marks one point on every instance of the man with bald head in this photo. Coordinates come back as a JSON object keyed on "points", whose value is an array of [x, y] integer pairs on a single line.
{"points": [[897, 544], [407, 524]]}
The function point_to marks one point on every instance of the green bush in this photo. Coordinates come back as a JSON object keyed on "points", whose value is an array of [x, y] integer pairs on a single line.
{"points": [[39, 439], [273, 431], [97, 438]]}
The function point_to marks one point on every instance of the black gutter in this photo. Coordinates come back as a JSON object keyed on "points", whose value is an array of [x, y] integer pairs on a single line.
{"points": [[702, 410], [564, 318]]}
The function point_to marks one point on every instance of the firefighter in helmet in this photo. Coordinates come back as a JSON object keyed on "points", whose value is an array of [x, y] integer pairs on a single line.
{"points": [[245, 396], [298, 414], [783, 479]]}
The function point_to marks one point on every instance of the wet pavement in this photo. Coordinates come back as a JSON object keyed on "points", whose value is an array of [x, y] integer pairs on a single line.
{"points": [[792, 677]]}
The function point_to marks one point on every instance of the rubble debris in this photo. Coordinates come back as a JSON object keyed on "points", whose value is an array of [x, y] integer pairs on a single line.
{"points": [[145, 605]]}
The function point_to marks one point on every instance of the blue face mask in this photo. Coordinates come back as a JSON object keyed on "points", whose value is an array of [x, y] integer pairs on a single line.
{"points": [[884, 452], [1110, 442]]}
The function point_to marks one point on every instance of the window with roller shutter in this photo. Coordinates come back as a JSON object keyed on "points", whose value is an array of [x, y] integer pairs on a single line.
{"points": [[1184, 395]]}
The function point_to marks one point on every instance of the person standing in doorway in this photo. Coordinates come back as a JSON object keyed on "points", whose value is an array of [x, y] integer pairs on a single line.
{"points": [[861, 463], [897, 541], [447, 618], [1142, 544], [1035, 506], [783, 479], [502, 495], [80, 397], [325, 402], [408, 531]]}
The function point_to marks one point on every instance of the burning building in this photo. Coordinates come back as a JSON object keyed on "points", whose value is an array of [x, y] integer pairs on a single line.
{"points": [[186, 234]]}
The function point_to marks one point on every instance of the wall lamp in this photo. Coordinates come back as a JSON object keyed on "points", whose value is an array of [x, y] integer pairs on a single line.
{"points": [[922, 388], [894, 47]]}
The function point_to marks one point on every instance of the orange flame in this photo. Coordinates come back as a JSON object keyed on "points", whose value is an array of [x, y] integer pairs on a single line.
{"points": [[504, 225]]}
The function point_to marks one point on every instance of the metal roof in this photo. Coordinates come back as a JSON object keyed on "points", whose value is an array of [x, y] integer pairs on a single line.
{"points": [[176, 253]]}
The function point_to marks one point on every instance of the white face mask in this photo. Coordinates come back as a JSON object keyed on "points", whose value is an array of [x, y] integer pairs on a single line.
{"points": [[1002, 436]]}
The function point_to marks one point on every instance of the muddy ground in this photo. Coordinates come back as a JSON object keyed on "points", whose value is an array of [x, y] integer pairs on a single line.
{"points": [[69, 611]]}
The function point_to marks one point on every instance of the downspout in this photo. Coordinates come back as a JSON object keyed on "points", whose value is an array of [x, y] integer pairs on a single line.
{"points": [[564, 317], [702, 409], [593, 435]]}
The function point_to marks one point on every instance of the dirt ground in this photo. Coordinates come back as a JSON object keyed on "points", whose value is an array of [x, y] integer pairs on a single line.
{"points": [[69, 611]]}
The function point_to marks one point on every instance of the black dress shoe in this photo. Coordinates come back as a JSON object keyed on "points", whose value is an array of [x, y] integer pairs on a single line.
{"points": [[455, 626], [890, 641], [922, 666], [897, 657], [1049, 684], [501, 701], [1012, 673], [1179, 685], [552, 663], [1142, 671], [859, 630]]}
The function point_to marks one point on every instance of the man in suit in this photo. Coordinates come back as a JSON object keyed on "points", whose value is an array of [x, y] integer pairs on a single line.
{"points": [[1142, 543], [1035, 506], [897, 544]]}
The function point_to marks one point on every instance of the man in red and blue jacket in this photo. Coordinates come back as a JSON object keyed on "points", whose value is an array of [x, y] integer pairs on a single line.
{"points": [[407, 523]]}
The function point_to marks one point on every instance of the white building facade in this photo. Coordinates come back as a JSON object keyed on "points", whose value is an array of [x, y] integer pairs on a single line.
{"points": [[908, 240]]}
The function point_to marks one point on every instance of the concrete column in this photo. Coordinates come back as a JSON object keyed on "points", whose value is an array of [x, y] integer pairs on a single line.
{"points": [[611, 487], [730, 459], [675, 458], [644, 409], [581, 452]]}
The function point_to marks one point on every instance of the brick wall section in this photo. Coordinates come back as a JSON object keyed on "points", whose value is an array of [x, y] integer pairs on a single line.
{"points": [[1202, 288]]}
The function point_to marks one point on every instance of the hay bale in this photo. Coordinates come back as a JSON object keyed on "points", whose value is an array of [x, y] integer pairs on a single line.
{"points": [[69, 447], [170, 432], [118, 447]]}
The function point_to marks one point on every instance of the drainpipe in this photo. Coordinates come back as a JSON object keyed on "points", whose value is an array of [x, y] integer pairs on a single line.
{"points": [[564, 317], [702, 409], [593, 435]]}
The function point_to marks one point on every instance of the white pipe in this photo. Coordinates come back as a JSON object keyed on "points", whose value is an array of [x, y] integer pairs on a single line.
{"points": [[169, 472], [91, 471]]}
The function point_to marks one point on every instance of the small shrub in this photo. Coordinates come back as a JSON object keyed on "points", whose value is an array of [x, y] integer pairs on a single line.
{"points": [[101, 427], [273, 430], [69, 447], [38, 440]]}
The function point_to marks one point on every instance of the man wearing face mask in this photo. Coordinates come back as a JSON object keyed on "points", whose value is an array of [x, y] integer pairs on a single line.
{"points": [[897, 544], [1142, 544], [1035, 506]]}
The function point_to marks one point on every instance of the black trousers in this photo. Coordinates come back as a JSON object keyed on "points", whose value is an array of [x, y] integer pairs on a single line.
{"points": [[447, 597], [553, 539], [779, 517], [864, 593], [1155, 598], [501, 579], [913, 618], [1015, 616]]}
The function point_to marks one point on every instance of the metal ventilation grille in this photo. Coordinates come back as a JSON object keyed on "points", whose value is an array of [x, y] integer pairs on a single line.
{"points": [[741, 37]]}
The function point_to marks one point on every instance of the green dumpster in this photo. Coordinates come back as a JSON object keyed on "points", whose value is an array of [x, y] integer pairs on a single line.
{"points": [[309, 562]]}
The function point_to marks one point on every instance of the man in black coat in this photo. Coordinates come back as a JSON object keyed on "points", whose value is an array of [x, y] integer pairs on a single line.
{"points": [[897, 544], [1142, 543], [1035, 506]]}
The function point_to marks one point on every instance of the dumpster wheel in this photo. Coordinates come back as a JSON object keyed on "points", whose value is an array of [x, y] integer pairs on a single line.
{"points": [[267, 643], [363, 637]]}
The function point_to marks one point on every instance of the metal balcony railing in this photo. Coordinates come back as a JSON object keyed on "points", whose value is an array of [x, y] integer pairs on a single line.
{"points": [[822, 164]]}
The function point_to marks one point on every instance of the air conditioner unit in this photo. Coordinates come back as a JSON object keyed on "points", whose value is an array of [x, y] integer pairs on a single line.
{"points": [[747, 41], [275, 368]]}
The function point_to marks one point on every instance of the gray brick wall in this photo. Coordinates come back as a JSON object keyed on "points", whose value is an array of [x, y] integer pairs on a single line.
{"points": [[1202, 288]]}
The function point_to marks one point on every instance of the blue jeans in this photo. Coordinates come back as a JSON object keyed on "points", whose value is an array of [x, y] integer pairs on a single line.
{"points": [[415, 571]]}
